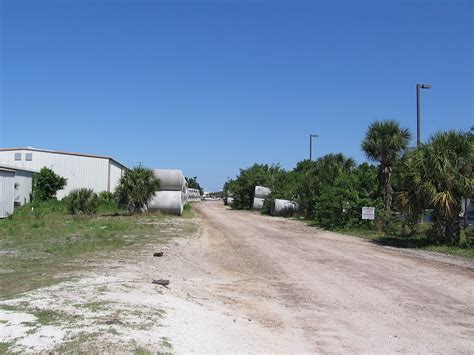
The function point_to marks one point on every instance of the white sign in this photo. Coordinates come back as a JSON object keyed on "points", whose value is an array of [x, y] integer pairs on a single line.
{"points": [[368, 213]]}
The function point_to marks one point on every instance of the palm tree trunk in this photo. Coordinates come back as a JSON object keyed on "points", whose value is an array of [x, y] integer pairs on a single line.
{"points": [[387, 175], [453, 226]]}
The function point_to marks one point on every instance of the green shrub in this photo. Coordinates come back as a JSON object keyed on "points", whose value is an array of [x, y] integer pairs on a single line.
{"points": [[467, 238], [136, 187], [46, 184], [82, 201], [106, 198]]}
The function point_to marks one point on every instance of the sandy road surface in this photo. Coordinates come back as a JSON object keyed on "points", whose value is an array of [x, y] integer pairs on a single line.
{"points": [[334, 293]]}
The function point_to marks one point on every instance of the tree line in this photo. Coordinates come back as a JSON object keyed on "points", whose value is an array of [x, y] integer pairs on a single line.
{"points": [[401, 183]]}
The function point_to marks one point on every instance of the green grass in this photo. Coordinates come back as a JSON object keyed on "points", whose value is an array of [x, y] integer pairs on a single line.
{"points": [[4, 347], [416, 241], [40, 245], [188, 210]]}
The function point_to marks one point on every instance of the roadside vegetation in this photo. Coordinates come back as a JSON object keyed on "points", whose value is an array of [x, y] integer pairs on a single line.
{"points": [[405, 183], [40, 241]]}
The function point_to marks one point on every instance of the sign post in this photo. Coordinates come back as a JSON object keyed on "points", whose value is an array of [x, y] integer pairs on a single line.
{"points": [[368, 213]]}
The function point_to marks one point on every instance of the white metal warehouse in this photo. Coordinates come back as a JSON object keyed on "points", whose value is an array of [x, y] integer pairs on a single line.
{"points": [[15, 188], [7, 187], [99, 173]]}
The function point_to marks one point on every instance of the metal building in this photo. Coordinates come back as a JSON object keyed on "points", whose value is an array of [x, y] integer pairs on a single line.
{"points": [[99, 173], [7, 187], [23, 185]]}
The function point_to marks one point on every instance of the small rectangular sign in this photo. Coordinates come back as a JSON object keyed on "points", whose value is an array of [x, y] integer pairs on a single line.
{"points": [[368, 213]]}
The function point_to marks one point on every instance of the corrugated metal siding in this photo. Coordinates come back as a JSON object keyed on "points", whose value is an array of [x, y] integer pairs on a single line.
{"points": [[7, 186], [23, 181], [115, 175], [80, 171]]}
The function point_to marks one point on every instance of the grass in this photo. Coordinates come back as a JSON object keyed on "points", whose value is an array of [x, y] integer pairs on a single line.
{"points": [[4, 347], [40, 245], [416, 241], [188, 210]]}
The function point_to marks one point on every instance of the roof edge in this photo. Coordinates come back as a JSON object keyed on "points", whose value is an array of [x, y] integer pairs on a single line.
{"points": [[64, 153]]}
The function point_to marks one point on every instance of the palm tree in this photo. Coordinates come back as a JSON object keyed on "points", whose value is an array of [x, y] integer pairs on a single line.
{"points": [[438, 174], [384, 142], [448, 178]]}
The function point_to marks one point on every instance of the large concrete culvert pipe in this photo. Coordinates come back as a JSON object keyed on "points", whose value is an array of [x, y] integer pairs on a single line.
{"points": [[260, 193], [168, 202], [171, 180], [172, 195], [258, 203], [283, 207]]}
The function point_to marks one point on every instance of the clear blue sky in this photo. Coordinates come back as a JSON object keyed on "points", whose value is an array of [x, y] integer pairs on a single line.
{"points": [[212, 86]]}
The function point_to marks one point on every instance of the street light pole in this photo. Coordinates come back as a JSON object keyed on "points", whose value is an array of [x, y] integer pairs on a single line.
{"points": [[418, 110], [311, 136]]}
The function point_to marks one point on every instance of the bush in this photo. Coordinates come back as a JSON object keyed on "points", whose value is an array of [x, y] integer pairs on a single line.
{"points": [[82, 201], [243, 187], [467, 238], [46, 184], [106, 198], [136, 187]]}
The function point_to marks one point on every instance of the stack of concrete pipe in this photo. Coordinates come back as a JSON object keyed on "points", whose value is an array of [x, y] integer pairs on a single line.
{"points": [[171, 197], [194, 195], [229, 200], [259, 196], [283, 207]]}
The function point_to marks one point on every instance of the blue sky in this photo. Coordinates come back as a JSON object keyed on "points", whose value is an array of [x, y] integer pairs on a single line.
{"points": [[213, 86]]}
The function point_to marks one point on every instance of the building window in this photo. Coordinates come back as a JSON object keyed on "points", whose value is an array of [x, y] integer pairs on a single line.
{"points": [[17, 156], [29, 156]]}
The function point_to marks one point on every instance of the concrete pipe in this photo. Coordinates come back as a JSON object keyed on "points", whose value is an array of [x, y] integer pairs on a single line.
{"points": [[258, 203], [229, 201], [194, 195], [171, 202], [171, 180], [283, 207], [262, 192]]}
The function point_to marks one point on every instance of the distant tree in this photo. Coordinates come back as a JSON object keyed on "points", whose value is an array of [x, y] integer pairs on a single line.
{"points": [[313, 175], [194, 184], [243, 186], [46, 184], [136, 187], [384, 142]]}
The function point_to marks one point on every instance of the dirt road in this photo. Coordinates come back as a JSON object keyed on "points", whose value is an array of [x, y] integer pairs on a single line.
{"points": [[243, 282], [334, 293]]}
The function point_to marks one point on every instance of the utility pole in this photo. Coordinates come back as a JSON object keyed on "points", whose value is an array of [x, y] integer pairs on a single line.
{"points": [[418, 110], [311, 136]]}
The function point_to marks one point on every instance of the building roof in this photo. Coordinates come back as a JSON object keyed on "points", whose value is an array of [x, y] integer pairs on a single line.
{"points": [[13, 168], [61, 152], [8, 170]]}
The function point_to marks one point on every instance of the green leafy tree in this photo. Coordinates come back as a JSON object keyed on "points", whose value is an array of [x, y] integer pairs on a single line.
{"points": [[243, 186], [316, 174], [384, 142], [46, 184], [136, 187]]}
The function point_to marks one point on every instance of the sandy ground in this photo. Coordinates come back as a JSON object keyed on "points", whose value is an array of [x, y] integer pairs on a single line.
{"points": [[250, 283]]}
